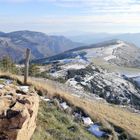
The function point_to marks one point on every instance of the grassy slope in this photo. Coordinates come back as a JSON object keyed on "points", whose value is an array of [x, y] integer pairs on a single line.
{"points": [[98, 111], [53, 124], [115, 68]]}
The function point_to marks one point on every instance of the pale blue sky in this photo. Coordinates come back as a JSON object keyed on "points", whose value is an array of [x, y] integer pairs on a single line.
{"points": [[52, 16]]}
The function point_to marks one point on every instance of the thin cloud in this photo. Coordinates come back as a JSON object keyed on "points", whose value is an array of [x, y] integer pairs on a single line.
{"points": [[92, 6], [101, 6], [82, 14]]}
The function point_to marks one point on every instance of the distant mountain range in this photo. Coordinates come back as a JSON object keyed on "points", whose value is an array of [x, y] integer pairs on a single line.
{"points": [[14, 44], [114, 51], [90, 38]]}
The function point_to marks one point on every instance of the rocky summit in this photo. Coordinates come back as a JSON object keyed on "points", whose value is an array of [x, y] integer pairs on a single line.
{"points": [[18, 110]]}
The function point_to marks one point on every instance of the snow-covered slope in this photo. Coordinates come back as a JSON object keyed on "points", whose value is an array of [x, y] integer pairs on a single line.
{"points": [[115, 88], [114, 51]]}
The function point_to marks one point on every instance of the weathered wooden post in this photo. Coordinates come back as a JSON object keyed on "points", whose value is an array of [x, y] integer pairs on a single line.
{"points": [[26, 70]]}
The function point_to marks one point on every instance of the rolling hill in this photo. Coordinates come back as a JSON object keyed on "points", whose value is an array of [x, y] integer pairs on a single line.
{"points": [[114, 51]]}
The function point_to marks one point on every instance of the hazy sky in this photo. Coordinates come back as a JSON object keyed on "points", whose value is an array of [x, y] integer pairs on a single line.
{"points": [[70, 15]]}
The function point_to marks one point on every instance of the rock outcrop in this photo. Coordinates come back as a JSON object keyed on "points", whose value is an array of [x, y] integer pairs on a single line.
{"points": [[18, 111], [95, 81], [112, 87]]}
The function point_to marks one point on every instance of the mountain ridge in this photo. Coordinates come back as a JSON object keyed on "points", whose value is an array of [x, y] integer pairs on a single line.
{"points": [[41, 45], [112, 51]]}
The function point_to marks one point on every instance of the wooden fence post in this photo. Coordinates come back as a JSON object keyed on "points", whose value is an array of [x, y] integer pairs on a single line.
{"points": [[26, 70]]}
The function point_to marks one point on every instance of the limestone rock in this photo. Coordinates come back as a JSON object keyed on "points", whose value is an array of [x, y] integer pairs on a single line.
{"points": [[18, 113]]}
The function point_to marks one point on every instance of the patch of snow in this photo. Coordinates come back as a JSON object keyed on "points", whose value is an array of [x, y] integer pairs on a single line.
{"points": [[83, 83], [104, 52], [78, 59], [74, 66], [8, 81], [73, 83], [18, 94], [83, 61], [64, 105], [24, 88], [107, 94], [45, 99], [8, 96], [1, 86], [109, 57], [118, 80], [88, 77], [93, 53], [77, 115], [87, 121], [95, 130]]}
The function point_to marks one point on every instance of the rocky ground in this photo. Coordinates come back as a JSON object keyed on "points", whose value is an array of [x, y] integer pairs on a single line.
{"points": [[95, 82], [18, 110]]}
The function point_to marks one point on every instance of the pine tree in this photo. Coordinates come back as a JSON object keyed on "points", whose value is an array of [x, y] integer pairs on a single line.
{"points": [[7, 65]]}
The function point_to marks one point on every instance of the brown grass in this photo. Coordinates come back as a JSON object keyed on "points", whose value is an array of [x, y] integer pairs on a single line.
{"points": [[97, 110]]}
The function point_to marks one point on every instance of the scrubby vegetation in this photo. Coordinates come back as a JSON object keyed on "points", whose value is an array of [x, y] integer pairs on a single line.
{"points": [[54, 124], [7, 65]]}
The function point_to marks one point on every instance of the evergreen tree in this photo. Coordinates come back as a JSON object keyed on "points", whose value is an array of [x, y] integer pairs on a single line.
{"points": [[33, 70], [7, 65]]}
